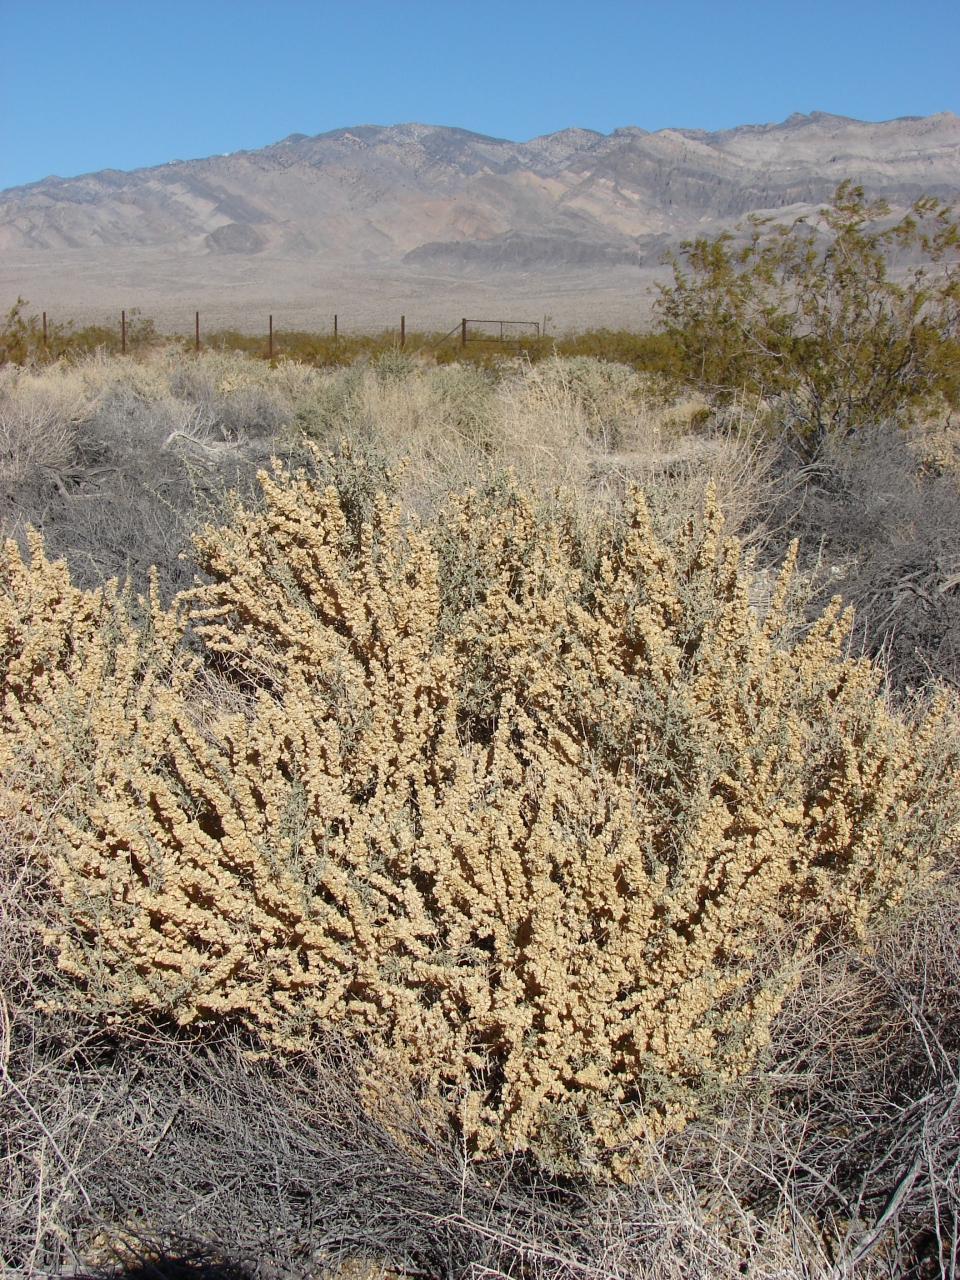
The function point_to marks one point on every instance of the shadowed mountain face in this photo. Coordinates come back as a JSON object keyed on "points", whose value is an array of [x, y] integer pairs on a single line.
{"points": [[449, 201]]}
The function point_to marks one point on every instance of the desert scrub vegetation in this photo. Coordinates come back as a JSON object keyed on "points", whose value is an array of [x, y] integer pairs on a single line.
{"points": [[877, 518], [111, 458], [821, 320], [490, 854], [28, 339], [117, 461], [536, 808], [22, 343]]}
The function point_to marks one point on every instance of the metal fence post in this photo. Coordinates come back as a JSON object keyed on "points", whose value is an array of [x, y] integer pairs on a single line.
{"points": [[123, 333], [270, 347], [403, 332], [44, 328], [463, 332], [197, 342]]}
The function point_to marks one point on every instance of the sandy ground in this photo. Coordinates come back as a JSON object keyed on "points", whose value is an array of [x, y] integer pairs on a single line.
{"points": [[241, 291]]}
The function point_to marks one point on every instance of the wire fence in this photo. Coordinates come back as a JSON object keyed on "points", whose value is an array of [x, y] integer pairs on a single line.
{"points": [[467, 330]]}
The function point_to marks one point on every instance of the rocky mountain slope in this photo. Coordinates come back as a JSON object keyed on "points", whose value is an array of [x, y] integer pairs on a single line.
{"points": [[449, 201]]}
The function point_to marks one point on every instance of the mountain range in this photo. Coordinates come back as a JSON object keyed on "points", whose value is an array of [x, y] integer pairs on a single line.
{"points": [[444, 203]]}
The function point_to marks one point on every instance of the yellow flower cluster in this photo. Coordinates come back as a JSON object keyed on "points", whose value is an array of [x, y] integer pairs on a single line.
{"points": [[551, 845]]}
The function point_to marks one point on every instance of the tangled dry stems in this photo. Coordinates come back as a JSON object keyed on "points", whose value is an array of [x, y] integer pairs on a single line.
{"points": [[877, 516]]}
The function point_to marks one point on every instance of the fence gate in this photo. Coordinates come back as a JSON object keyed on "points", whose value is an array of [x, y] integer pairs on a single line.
{"points": [[492, 330]]}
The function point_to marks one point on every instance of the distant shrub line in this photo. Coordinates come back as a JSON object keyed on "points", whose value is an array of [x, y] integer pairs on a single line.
{"points": [[22, 343]]}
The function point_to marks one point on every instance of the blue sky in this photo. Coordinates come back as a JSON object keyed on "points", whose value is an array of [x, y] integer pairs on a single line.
{"points": [[92, 84]]}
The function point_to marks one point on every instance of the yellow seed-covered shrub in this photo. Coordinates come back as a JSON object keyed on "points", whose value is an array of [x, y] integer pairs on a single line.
{"points": [[536, 809]]}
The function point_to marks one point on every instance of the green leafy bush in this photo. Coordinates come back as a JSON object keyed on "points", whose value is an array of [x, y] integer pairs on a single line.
{"points": [[819, 324]]}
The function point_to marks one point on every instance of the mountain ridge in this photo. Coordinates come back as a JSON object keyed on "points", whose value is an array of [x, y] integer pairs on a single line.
{"points": [[369, 193]]}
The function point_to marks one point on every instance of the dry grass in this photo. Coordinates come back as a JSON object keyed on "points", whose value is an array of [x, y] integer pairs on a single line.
{"points": [[553, 422], [37, 422], [118, 460]]}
